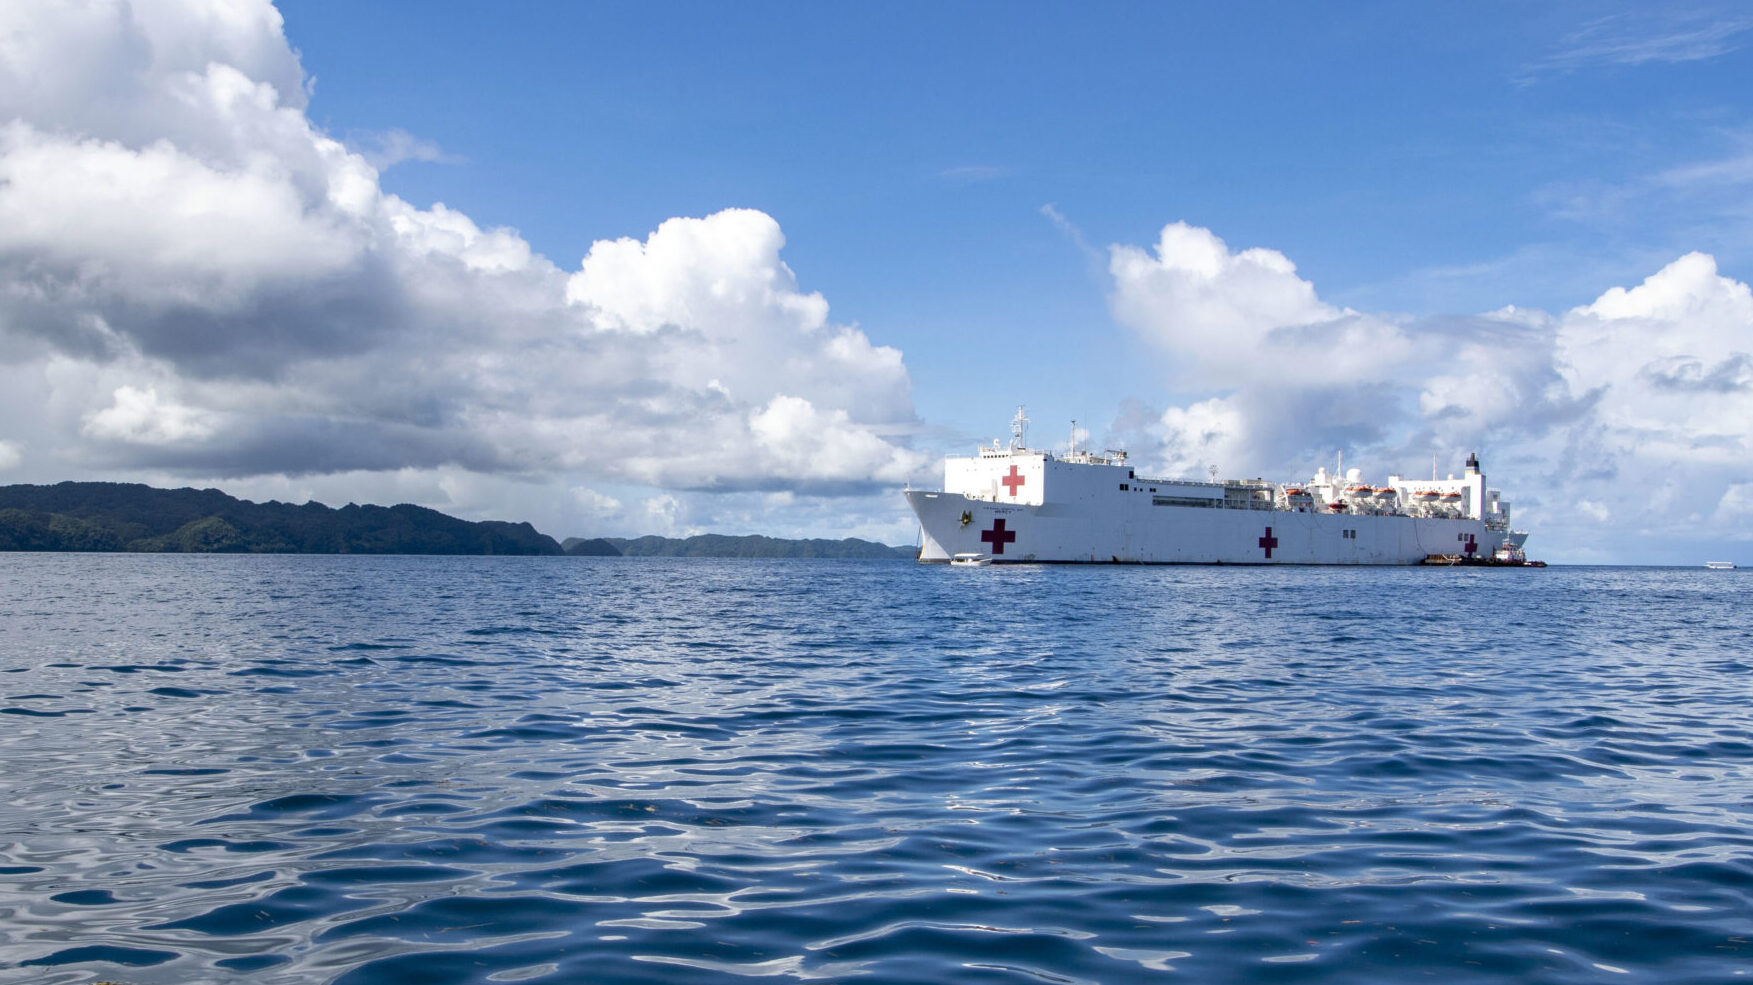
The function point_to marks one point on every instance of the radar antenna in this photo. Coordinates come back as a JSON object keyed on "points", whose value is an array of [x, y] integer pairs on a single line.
{"points": [[1019, 429]]}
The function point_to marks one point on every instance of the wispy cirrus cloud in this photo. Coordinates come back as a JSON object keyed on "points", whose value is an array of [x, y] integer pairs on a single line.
{"points": [[384, 149], [1634, 39], [971, 173], [1699, 201], [1096, 258], [1733, 170]]}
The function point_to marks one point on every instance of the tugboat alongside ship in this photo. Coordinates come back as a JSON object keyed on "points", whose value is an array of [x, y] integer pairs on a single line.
{"points": [[1013, 504]]}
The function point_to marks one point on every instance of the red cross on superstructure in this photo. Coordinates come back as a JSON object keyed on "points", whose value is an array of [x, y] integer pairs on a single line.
{"points": [[1269, 542], [1013, 480], [998, 536]]}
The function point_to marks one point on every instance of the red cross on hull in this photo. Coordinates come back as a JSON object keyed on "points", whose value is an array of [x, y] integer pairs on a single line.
{"points": [[1268, 542], [998, 536]]}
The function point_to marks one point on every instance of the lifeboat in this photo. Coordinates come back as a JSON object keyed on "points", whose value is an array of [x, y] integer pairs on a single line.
{"points": [[1427, 496], [1451, 497], [1336, 507], [1385, 494]]}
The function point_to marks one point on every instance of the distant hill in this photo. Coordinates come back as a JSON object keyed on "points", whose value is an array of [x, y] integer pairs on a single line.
{"points": [[719, 545], [594, 547], [113, 516]]}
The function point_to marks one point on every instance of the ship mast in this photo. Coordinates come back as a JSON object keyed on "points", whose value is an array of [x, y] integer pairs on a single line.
{"points": [[1019, 429]]}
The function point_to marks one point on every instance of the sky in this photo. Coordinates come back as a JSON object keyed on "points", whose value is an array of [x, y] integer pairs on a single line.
{"points": [[622, 269]]}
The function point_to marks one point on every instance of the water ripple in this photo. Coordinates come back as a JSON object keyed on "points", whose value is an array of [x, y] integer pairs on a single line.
{"points": [[376, 770]]}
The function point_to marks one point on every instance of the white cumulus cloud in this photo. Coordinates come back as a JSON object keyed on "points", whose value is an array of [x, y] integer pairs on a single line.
{"points": [[1636, 407], [196, 280], [142, 416]]}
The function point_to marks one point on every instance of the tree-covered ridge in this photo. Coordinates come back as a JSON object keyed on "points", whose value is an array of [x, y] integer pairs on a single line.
{"points": [[594, 547], [755, 545], [113, 516]]}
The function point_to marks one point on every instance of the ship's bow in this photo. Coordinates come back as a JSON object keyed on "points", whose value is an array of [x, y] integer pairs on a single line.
{"points": [[940, 517]]}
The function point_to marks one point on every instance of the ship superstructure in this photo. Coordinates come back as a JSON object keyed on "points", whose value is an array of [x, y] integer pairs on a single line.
{"points": [[1018, 504]]}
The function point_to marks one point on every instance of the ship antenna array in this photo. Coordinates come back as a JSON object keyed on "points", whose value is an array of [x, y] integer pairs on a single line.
{"points": [[1019, 429]]}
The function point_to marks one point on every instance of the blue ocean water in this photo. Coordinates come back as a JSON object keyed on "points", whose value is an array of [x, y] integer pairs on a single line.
{"points": [[437, 770]]}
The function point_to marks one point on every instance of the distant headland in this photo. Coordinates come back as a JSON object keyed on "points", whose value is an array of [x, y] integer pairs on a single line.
{"points": [[114, 516], [130, 517]]}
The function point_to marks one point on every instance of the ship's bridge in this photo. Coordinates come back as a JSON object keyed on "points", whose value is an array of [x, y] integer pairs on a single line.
{"points": [[1022, 476], [1016, 473], [999, 475]]}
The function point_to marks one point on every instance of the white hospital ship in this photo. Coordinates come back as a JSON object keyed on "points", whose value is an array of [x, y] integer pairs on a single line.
{"points": [[1014, 504]]}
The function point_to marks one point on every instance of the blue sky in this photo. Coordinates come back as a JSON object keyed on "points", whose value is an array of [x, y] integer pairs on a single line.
{"points": [[982, 188], [1390, 150]]}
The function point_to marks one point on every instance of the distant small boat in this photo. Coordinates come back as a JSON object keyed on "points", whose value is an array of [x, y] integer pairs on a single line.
{"points": [[1720, 565], [971, 560]]}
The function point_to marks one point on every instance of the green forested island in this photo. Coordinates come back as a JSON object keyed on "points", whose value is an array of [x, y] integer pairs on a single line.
{"points": [[114, 516]]}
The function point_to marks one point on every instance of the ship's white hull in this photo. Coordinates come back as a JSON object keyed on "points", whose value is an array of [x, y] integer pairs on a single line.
{"points": [[1132, 530]]}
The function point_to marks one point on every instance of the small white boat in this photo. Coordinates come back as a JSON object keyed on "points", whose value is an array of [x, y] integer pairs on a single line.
{"points": [[971, 560], [1720, 565]]}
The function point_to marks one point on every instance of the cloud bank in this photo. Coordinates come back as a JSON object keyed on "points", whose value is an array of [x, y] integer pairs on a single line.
{"points": [[195, 280], [1635, 410]]}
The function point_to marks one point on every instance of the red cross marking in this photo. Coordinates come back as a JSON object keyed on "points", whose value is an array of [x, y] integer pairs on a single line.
{"points": [[1472, 545], [998, 536], [1013, 480], [1269, 542]]}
